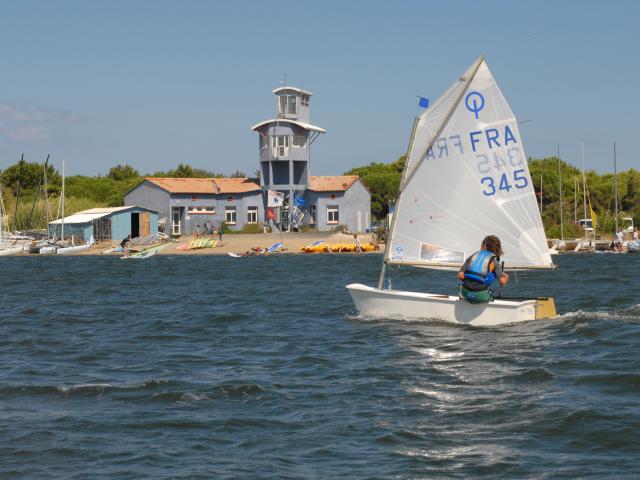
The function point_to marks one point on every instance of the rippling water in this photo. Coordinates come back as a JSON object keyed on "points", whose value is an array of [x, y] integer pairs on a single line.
{"points": [[213, 367]]}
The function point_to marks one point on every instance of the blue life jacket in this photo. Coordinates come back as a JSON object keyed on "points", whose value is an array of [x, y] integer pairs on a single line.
{"points": [[478, 269]]}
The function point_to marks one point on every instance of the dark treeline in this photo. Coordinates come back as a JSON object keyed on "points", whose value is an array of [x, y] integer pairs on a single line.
{"points": [[383, 180]]}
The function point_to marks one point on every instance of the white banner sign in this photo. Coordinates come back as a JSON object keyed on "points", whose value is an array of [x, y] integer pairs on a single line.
{"points": [[274, 199]]}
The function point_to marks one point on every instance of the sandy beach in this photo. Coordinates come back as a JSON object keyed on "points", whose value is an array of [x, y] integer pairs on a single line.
{"points": [[240, 243]]}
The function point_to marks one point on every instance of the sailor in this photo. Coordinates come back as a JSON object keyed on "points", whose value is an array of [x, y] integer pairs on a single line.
{"points": [[124, 245], [480, 271]]}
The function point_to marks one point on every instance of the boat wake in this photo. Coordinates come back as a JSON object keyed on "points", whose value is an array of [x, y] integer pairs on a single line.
{"points": [[624, 314]]}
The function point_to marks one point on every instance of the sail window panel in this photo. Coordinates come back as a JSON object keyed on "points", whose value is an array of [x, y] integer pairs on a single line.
{"points": [[230, 215], [437, 254], [252, 215], [333, 215]]}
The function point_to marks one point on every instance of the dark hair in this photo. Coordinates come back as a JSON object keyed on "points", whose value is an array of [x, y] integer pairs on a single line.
{"points": [[492, 243]]}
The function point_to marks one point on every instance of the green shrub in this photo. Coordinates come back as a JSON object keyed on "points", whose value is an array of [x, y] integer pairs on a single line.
{"points": [[251, 228]]}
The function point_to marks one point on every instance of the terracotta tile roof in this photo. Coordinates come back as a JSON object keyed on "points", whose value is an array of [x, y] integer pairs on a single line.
{"points": [[211, 186], [337, 183], [236, 185]]}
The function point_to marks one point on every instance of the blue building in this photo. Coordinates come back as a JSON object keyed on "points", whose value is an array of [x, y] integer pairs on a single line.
{"points": [[284, 145], [185, 203], [106, 224]]}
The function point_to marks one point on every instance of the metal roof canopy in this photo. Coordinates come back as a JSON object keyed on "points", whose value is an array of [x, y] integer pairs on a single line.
{"points": [[87, 216], [306, 126]]}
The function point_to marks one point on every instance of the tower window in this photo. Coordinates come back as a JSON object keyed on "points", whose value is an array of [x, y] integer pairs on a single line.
{"points": [[299, 141], [287, 105], [280, 144]]}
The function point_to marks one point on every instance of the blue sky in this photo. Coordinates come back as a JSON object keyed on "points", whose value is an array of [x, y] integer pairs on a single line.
{"points": [[157, 83]]}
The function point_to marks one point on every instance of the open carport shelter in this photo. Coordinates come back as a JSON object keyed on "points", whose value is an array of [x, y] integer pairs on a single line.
{"points": [[113, 223]]}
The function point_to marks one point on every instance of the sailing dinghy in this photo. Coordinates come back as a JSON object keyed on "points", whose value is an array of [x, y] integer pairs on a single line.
{"points": [[466, 176]]}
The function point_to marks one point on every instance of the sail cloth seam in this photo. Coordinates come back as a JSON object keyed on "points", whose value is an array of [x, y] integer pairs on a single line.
{"points": [[407, 177]]}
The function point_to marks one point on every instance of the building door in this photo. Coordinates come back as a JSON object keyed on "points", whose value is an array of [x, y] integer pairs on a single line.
{"points": [[145, 224], [176, 215], [135, 225]]}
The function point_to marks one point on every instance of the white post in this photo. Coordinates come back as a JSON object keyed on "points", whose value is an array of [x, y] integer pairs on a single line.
{"points": [[62, 208], [560, 182]]}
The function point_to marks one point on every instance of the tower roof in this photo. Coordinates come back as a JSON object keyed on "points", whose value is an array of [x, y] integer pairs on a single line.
{"points": [[291, 89], [306, 126]]}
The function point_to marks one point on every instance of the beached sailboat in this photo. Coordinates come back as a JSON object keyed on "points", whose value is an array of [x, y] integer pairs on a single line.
{"points": [[466, 176]]}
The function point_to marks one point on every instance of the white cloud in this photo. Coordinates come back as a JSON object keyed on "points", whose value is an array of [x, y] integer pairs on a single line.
{"points": [[28, 133]]}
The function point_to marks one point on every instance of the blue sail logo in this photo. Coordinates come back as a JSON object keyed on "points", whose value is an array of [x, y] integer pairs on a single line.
{"points": [[474, 102]]}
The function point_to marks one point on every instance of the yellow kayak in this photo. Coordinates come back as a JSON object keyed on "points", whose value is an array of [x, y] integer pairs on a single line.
{"points": [[339, 247]]}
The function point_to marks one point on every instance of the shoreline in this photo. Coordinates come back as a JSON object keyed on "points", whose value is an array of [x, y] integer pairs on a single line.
{"points": [[235, 243]]}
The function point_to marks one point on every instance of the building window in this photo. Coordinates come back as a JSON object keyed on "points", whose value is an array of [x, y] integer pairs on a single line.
{"points": [[252, 215], [230, 215], [299, 141], [312, 213], [287, 105], [201, 210], [332, 214], [264, 141], [280, 145], [304, 100]]}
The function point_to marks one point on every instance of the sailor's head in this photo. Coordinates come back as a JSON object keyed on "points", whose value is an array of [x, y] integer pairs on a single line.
{"points": [[492, 244]]}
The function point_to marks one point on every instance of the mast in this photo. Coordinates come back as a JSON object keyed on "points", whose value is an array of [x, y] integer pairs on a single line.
{"points": [[560, 182], [584, 196], [575, 199], [15, 211], [47, 208], [62, 200], [540, 195], [615, 184], [387, 242]]}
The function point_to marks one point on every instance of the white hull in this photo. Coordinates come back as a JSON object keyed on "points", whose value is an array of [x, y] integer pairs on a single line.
{"points": [[11, 251], [401, 305], [50, 250], [79, 248]]}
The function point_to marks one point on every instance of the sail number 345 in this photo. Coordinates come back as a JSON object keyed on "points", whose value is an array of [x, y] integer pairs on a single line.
{"points": [[491, 185]]}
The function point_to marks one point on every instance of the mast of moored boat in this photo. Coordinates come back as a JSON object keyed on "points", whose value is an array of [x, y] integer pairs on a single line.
{"points": [[62, 208], [540, 195], [560, 183], [47, 208], [615, 184], [584, 196]]}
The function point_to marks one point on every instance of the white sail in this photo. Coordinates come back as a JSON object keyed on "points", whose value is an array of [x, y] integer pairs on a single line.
{"points": [[469, 182], [435, 116]]}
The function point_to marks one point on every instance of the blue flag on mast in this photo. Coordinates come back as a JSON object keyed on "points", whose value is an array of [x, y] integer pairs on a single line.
{"points": [[423, 102]]}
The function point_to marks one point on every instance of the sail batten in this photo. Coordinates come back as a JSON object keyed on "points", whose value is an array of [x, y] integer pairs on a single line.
{"points": [[467, 177]]}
